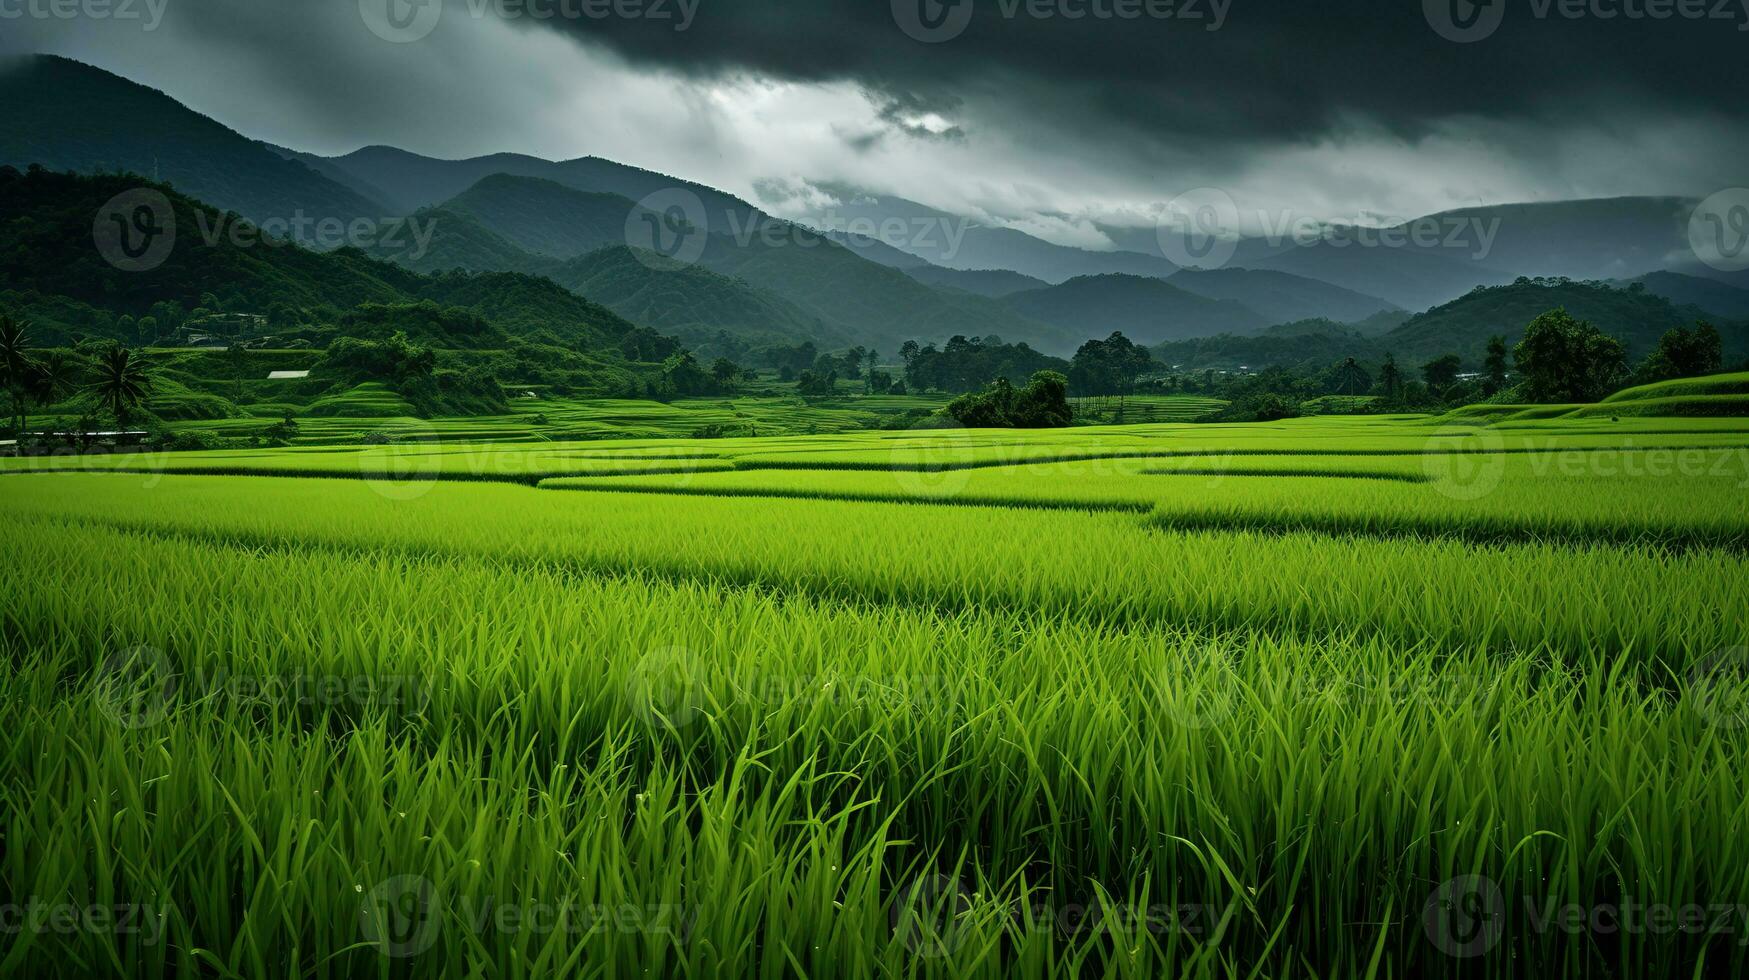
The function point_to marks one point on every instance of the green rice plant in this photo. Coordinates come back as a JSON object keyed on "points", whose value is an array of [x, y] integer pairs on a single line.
{"points": [[1642, 601], [341, 761], [1325, 698]]}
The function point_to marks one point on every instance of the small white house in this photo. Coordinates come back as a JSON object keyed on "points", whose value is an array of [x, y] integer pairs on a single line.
{"points": [[287, 375]]}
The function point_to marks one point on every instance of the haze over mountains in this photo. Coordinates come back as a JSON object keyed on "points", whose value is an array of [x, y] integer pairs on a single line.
{"points": [[862, 269]]}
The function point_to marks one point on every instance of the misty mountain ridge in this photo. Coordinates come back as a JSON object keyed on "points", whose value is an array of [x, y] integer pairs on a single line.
{"points": [[940, 275], [1631, 312]]}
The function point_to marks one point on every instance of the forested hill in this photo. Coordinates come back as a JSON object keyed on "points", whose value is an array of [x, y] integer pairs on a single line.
{"points": [[69, 116], [52, 271], [1633, 315]]}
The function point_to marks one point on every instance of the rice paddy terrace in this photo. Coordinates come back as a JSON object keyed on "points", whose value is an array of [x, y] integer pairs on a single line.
{"points": [[1328, 697]]}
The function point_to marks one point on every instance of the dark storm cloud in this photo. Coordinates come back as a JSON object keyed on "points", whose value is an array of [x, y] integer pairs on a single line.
{"points": [[1227, 69], [1026, 113]]}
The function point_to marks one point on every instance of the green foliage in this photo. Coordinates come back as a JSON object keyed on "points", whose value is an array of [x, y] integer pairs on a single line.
{"points": [[1567, 360], [1042, 404], [1108, 367], [1684, 353], [1441, 373], [50, 264], [121, 383], [1264, 406], [793, 714], [969, 364]]}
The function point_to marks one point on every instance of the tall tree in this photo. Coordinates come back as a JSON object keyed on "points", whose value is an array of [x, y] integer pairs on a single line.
{"points": [[1390, 378], [1441, 373], [1351, 379], [1685, 353], [1565, 360], [1494, 366], [54, 381], [238, 356], [122, 383], [16, 366]]}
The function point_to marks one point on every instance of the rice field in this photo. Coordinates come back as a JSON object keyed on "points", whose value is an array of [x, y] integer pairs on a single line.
{"points": [[1364, 697]]}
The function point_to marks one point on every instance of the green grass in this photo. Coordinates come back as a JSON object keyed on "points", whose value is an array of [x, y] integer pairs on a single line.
{"points": [[1249, 695]]}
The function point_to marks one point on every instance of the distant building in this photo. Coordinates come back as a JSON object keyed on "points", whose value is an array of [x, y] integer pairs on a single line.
{"points": [[287, 375], [223, 326]]}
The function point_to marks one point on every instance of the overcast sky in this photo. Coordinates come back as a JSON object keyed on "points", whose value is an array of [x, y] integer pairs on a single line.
{"points": [[1013, 109]]}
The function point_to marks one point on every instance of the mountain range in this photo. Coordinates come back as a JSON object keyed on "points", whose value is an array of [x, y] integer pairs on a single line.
{"points": [[874, 270], [1636, 314]]}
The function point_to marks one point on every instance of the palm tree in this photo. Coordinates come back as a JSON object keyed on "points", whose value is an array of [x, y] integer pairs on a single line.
{"points": [[122, 383], [53, 381], [1352, 379], [15, 364]]}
